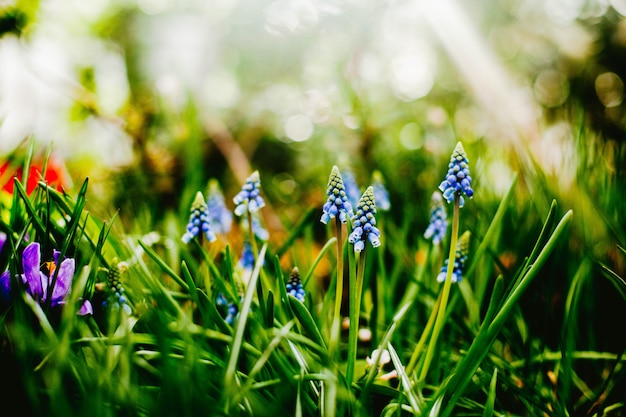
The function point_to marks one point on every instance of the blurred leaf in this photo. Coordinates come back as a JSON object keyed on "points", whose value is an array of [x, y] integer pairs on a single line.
{"points": [[618, 282]]}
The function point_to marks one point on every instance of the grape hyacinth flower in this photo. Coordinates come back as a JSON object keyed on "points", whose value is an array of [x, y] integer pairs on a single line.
{"points": [[438, 219], [117, 297], [337, 203], [249, 197], [199, 221], [37, 283], [294, 285], [247, 257], [381, 195], [352, 188], [220, 216], [364, 222], [459, 260], [458, 180], [231, 308]]}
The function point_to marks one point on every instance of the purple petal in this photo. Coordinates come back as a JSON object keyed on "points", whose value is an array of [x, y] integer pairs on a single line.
{"points": [[64, 281], [31, 261], [3, 240], [85, 309], [5, 286]]}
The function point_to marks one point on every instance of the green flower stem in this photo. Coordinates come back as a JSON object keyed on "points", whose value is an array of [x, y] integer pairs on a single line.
{"points": [[335, 330], [486, 336], [255, 250], [356, 288], [424, 337], [231, 380], [445, 292]]}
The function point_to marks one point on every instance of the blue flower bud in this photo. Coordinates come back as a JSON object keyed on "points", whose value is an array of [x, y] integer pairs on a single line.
{"points": [[199, 221], [458, 180], [294, 285], [337, 203], [249, 197], [364, 222], [462, 249]]}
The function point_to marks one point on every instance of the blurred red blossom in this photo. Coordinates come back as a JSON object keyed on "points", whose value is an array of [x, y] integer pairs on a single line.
{"points": [[55, 175]]}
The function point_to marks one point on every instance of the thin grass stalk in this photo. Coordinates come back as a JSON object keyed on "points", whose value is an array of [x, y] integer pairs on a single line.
{"points": [[356, 288], [441, 311], [384, 343], [483, 341], [231, 369], [424, 337], [335, 330], [257, 257]]}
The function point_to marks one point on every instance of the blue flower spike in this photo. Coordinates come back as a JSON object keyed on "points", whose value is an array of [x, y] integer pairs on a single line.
{"points": [[381, 194], [294, 285], [462, 249], [231, 308], [364, 223], [199, 221], [249, 198], [117, 295], [247, 257], [220, 217], [337, 204], [438, 219], [458, 180]]}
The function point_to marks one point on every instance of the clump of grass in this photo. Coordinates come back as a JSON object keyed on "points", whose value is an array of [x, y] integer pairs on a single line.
{"points": [[179, 327]]}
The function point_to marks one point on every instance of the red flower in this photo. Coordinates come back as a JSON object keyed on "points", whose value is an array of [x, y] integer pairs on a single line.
{"points": [[55, 175]]}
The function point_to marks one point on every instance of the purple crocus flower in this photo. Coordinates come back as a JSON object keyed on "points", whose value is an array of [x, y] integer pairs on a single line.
{"points": [[36, 282]]}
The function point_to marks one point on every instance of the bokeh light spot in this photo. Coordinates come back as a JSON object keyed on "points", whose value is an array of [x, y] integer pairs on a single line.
{"points": [[411, 78], [610, 89], [411, 136], [551, 88], [299, 127]]}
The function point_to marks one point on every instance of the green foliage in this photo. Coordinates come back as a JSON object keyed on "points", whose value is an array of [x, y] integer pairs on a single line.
{"points": [[175, 351]]}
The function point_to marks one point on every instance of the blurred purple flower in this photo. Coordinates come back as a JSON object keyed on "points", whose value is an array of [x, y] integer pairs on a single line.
{"points": [[381, 195], [3, 240], [438, 219], [249, 198], [220, 216], [352, 188]]}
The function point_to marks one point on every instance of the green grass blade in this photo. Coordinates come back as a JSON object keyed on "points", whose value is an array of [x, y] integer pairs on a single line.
{"points": [[230, 376], [163, 265], [306, 320], [491, 396], [618, 282], [483, 341]]}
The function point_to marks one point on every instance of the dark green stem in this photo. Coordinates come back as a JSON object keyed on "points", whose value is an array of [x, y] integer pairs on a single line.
{"points": [[356, 288], [335, 330], [441, 311]]}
